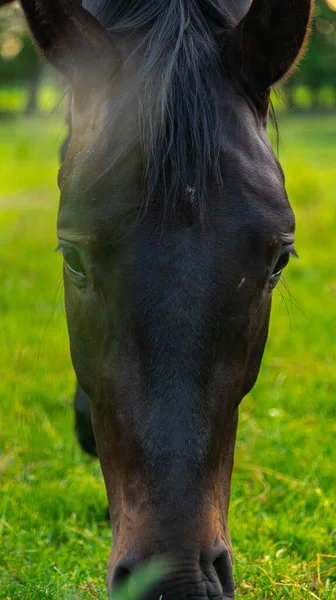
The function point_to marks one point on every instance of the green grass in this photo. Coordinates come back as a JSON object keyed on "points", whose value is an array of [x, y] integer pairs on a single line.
{"points": [[54, 540]]}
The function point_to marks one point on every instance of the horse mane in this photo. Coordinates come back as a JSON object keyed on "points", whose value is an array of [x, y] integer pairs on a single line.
{"points": [[180, 120]]}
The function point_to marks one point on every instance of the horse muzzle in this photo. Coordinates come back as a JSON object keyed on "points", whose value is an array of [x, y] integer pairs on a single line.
{"points": [[211, 579]]}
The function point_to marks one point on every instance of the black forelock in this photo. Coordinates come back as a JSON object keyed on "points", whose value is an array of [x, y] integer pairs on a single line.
{"points": [[179, 119]]}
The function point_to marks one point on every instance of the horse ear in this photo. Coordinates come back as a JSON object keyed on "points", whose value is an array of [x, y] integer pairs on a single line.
{"points": [[68, 35], [270, 39]]}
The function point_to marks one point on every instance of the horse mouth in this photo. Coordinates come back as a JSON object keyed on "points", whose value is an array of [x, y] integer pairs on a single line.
{"points": [[182, 591], [211, 579]]}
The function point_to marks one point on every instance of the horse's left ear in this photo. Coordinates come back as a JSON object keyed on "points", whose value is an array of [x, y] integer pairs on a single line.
{"points": [[270, 39], [68, 36]]}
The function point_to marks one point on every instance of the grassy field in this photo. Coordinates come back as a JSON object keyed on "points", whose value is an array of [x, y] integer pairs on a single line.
{"points": [[54, 539]]}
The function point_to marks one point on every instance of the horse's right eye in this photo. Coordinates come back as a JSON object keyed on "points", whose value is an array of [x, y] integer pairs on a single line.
{"points": [[73, 261]]}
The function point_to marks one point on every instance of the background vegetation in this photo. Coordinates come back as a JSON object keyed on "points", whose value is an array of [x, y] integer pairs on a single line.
{"points": [[54, 539], [312, 87]]}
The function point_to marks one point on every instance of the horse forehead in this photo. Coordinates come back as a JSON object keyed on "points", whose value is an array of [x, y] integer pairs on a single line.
{"points": [[253, 199], [104, 181]]}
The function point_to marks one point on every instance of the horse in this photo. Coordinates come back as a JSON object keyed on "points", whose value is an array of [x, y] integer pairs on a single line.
{"points": [[175, 227]]}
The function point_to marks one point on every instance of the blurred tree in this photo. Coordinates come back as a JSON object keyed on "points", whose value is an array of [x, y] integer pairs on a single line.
{"points": [[19, 61], [319, 66]]}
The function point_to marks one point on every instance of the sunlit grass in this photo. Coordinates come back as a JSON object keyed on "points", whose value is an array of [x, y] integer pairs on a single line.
{"points": [[54, 539]]}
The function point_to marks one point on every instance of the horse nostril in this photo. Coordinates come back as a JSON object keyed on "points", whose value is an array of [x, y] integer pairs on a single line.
{"points": [[223, 568], [219, 559], [122, 572]]}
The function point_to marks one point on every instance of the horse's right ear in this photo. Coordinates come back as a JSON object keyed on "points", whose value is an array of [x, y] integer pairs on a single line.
{"points": [[68, 35], [269, 40]]}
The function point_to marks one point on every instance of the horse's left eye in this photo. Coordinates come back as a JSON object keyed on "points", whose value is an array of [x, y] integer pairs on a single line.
{"points": [[279, 267]]}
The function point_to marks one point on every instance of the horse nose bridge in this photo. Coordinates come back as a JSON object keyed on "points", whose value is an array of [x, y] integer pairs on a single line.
{"points": [[170, 503], [171, 469], [179, 475], [170, 516]]}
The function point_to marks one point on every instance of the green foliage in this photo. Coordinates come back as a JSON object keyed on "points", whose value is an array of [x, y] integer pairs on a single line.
{"points": [[13, 99], [319, 66], [18, 57], [54, 540], [141, 581]]}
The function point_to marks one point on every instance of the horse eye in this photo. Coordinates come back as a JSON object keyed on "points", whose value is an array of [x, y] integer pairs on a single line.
{"points": [[279, 267], [73, 261]]}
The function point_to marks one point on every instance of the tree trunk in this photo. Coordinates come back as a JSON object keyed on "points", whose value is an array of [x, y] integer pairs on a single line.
{"points": [[33, 88]]}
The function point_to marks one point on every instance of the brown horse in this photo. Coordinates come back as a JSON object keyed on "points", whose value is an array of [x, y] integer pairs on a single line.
{"points": [[175, 227]]}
